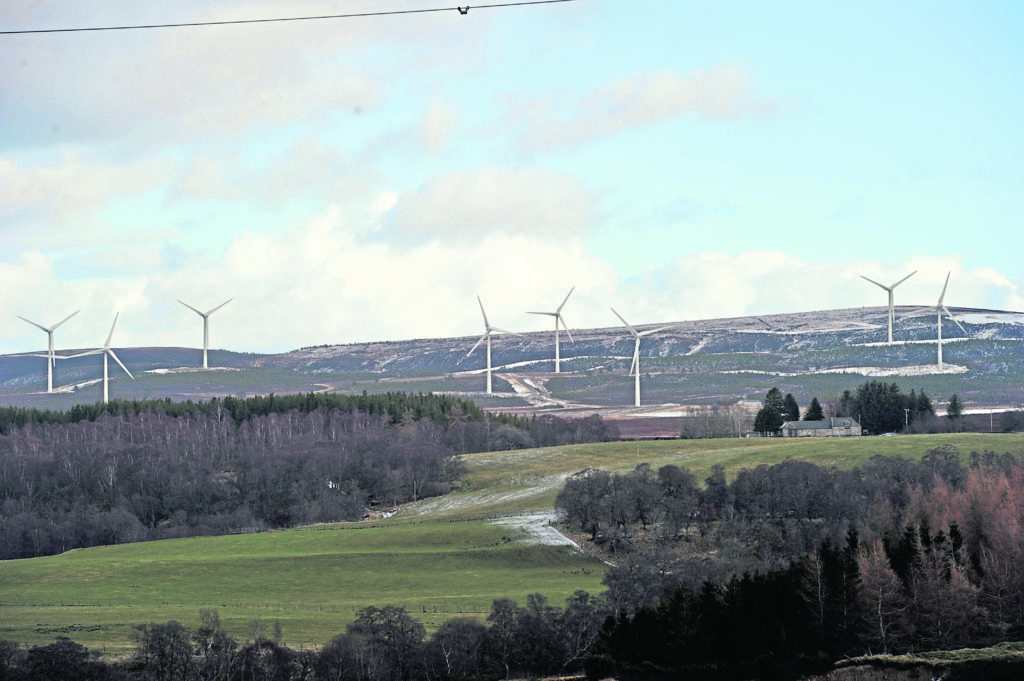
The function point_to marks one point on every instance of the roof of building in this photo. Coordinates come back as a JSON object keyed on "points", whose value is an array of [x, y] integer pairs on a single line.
{"points": [[839, 422]]}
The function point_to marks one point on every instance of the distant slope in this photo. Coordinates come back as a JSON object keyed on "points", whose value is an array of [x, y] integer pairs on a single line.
{"points": [[692, 362]]}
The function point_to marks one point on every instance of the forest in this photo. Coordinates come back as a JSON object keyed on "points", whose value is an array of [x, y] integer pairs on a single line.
{"points": [[799, 566], [894, 556], [135, 471]]}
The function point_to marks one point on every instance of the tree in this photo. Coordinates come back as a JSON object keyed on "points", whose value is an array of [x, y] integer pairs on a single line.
{"points": [[770, 417], [790, 409], [164, 650], [768, 421], [955, 413], [814, 412]]}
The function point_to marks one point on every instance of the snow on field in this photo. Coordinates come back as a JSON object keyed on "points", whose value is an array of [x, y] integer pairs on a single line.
{"points": [[992, 317], [189, 370], [460, 500], [912, 370], [538, 527]]}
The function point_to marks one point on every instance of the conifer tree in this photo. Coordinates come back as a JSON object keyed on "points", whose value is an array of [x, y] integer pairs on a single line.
{"points": [[814, 412]]}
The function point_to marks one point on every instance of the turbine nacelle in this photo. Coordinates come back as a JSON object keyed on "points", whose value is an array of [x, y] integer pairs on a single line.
{"points": [[106, 351], [206, 324], [557, 314], [52, 359]]}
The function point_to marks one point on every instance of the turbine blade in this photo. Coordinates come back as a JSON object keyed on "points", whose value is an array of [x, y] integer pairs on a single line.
{"points": [[219, 306], [648, 332], [875, 282], [191, 308], [550, 314], [635, 366], [97, 351], [559, 319], [64, 320], [566, 299], [511, 333], [39, 326], [944, 289], [121, 364], [904, 279], [111, 334], [486, 323], [631, 329], [482, 339], [955, 320], [920, 311]]}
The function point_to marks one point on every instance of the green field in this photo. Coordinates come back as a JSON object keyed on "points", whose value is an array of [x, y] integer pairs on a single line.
{"points": [[438, 558]]}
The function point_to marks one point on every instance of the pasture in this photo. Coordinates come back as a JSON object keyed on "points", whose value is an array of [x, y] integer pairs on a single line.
{"points": [[439, 557]]}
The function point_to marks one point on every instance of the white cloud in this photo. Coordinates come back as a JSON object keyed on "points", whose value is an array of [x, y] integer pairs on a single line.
{"points": [[475, 203], [70, 186], [322, 281], [440, 120], [721, 92]]}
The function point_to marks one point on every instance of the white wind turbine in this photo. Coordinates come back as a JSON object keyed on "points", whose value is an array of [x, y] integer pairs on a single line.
{"points": [[557, 314], [105, 351], [939, 308], [634, 369], [50, 357], [488, 330], [206, 324], [889, 289]]}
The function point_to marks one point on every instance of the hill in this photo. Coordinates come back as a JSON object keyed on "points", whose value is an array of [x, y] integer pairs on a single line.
{"points": [[691, 363], [438, 558]]}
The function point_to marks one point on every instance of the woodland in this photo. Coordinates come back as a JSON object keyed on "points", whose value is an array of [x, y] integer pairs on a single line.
{"points": [[136, 471]]}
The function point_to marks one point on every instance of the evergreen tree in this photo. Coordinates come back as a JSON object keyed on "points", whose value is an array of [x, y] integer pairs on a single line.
{"points": [[955, 412], [770, 417], [790, 409], [814, 412]]}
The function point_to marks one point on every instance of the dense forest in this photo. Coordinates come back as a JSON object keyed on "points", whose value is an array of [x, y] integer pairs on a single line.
{"points": [[800, 565], [133, 471]]}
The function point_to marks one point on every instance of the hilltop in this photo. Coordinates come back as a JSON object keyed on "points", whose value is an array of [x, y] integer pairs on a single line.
{"points": [[698, 362]]}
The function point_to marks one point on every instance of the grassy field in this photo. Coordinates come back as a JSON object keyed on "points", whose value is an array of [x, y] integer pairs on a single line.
{"points": [[438, 558]]}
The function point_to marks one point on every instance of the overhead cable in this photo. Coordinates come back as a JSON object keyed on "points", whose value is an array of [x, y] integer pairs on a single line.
{"points": [[461, 10]]}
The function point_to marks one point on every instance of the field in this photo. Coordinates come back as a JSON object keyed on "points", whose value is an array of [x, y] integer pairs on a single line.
{"points": [[438, 558]]}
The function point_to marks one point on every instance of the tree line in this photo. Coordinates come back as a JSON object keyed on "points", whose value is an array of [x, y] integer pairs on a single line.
{"points": [[381, 644], [797, 566], [150, 470]]}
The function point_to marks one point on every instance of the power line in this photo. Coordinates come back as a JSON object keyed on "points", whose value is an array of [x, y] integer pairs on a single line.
{"points": [[461, 10]]}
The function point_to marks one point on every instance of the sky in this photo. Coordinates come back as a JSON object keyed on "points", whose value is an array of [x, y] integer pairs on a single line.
{"points": [[364, 179]]}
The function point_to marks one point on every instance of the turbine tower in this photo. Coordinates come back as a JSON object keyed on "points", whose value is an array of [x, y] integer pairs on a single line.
{"points": [[557, 314], [206, 324], [940, 307], [50, 354], [105, 351], [634, 369], [889, 289], [488, 330]]}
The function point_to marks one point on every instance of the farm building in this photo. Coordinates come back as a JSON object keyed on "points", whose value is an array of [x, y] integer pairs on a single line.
{"points": [[832, 427]]}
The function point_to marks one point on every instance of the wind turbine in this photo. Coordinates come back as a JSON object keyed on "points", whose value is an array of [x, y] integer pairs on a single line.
{"points": [[206, 324], [50, 355], [889, 289], [634, 369], [105, 351], [488, 330], [939, 308], [557, 314]]}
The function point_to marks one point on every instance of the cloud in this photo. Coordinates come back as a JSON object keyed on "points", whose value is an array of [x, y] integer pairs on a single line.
{"points": [[57, 191], [328, 280], [440, 120], [719, 93], [472, 204]]}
